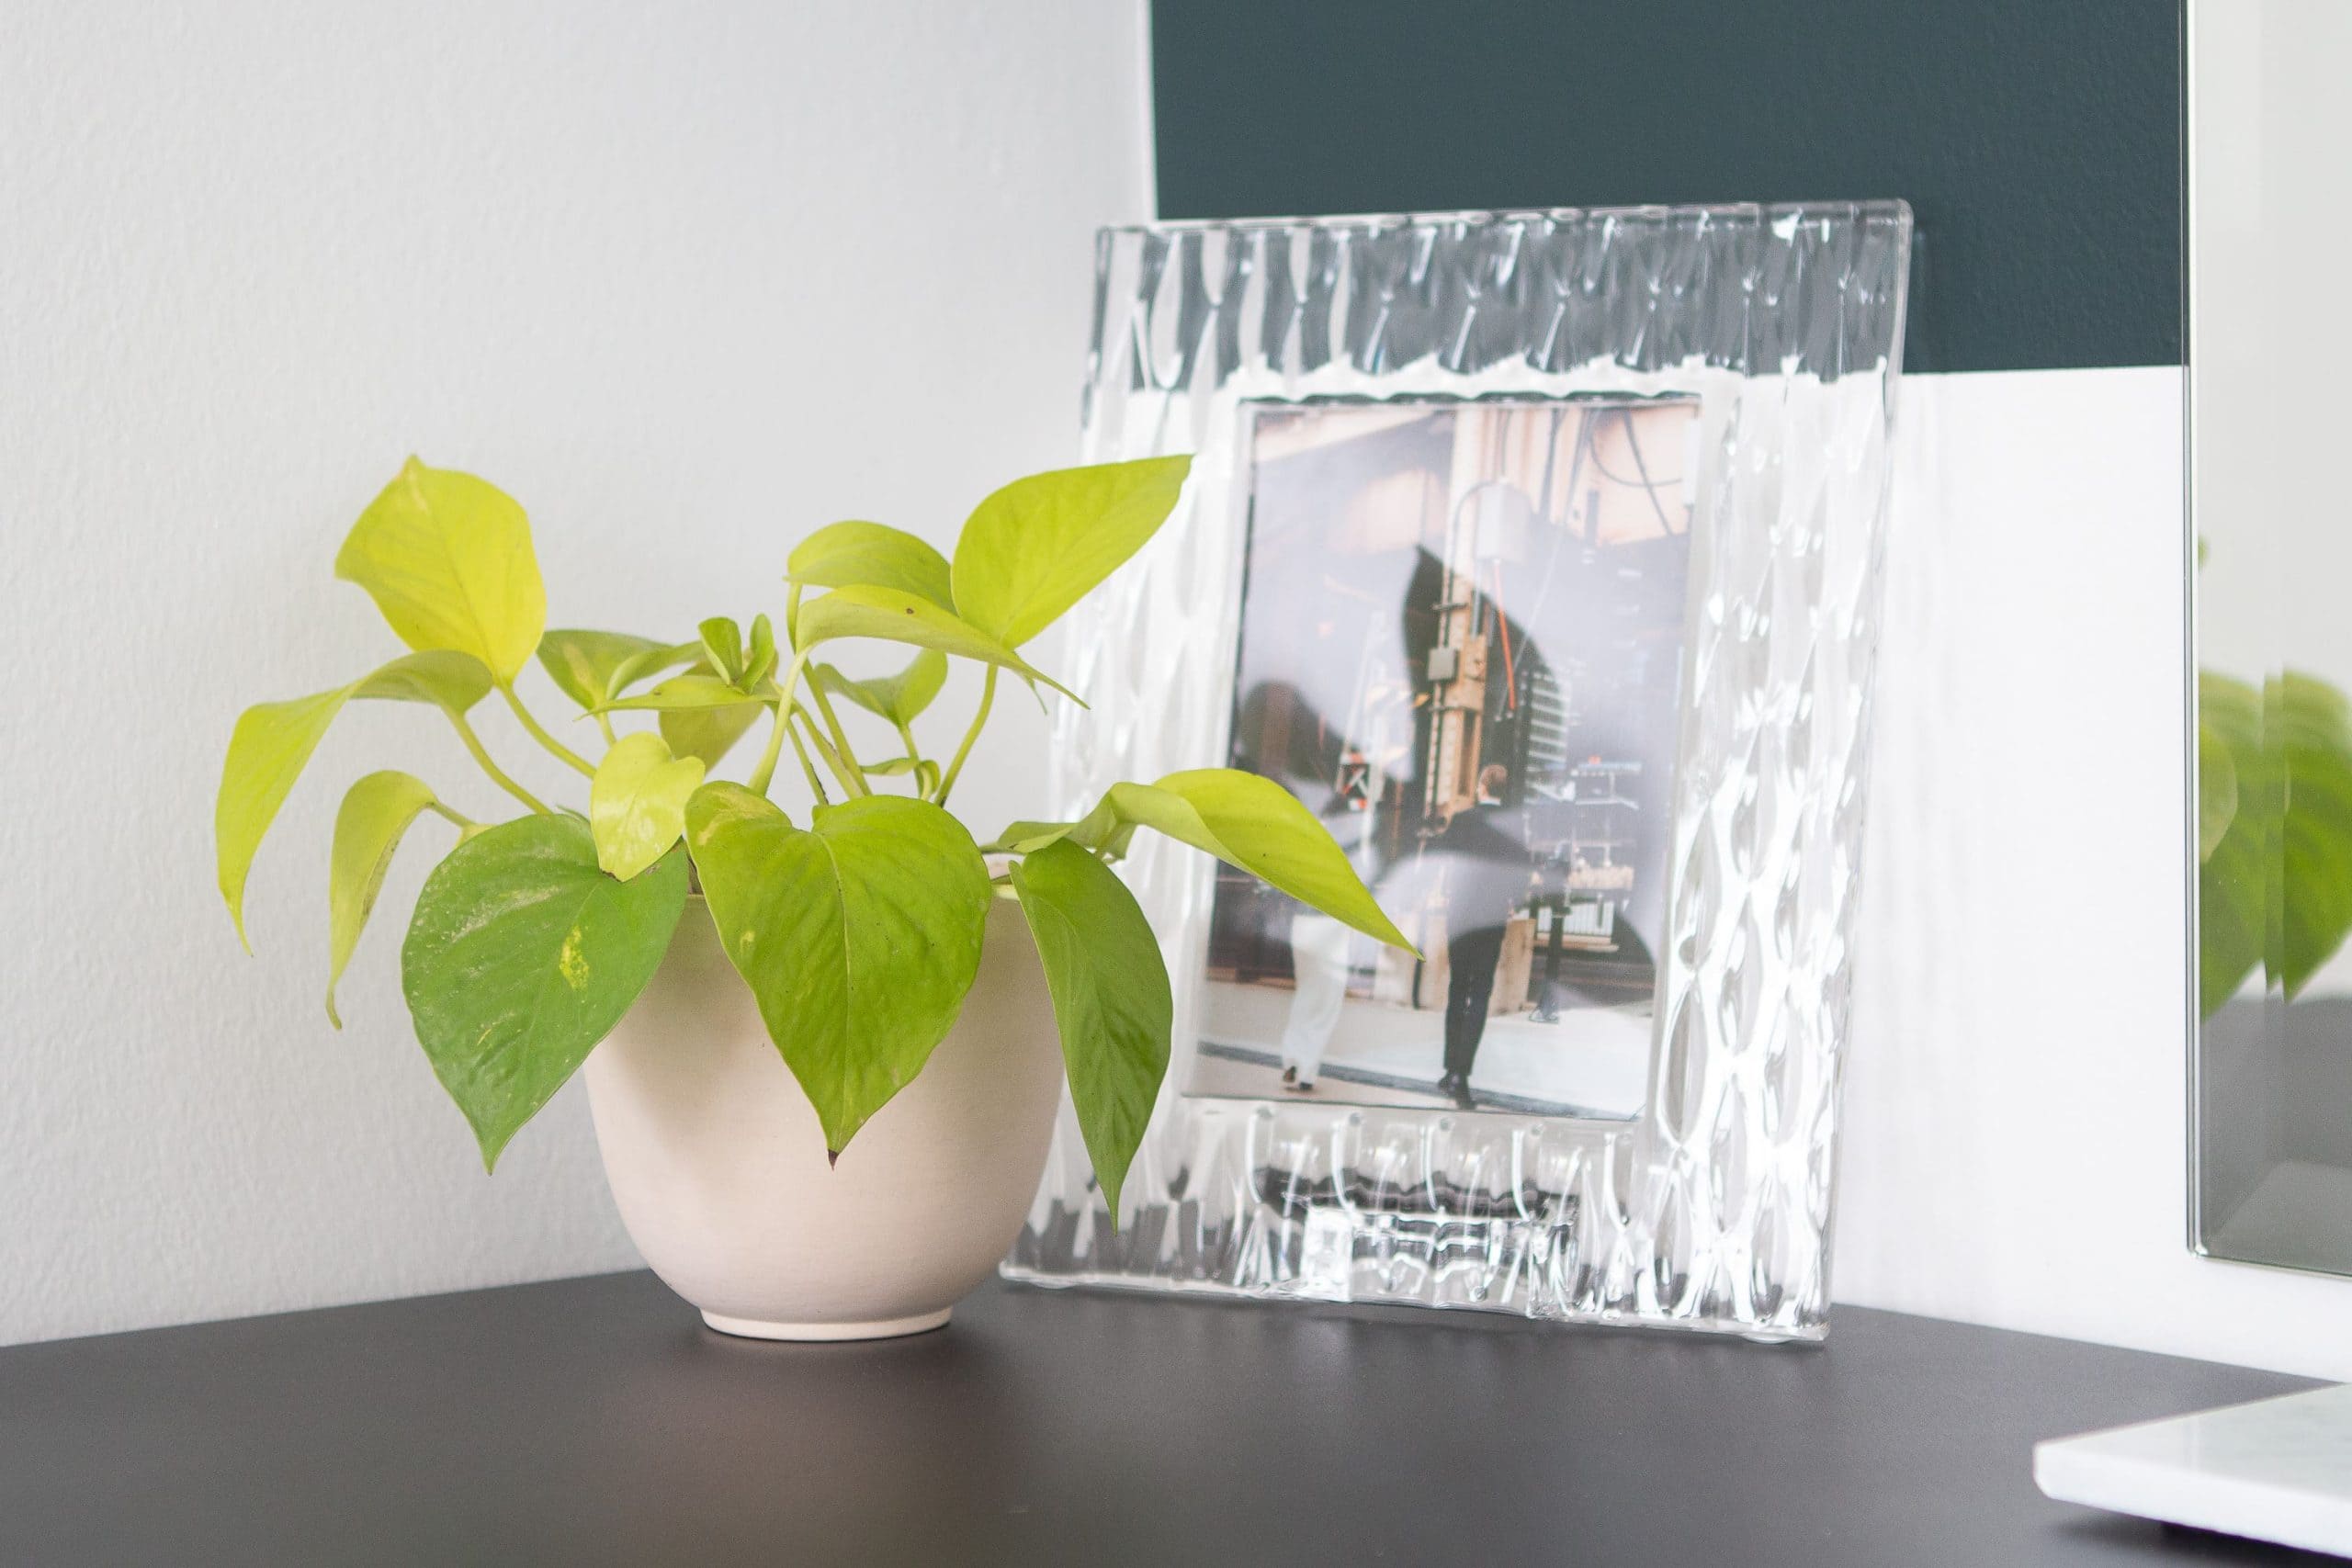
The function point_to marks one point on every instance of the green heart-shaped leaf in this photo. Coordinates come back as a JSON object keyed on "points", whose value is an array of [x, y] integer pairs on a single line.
{"points": [[871, 555], [637, 803], [520, 956], [1112, 1003], [1039, 545], [374, 814], [858, 936], [584, 664], [448, 558], [900, 698], [273, 741], [896, 616]]}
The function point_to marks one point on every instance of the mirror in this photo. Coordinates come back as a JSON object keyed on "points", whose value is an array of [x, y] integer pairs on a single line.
{"points": [[2271, 549]]}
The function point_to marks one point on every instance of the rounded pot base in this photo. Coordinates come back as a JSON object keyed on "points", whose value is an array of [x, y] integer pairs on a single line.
{"points": [[882, 1329]]}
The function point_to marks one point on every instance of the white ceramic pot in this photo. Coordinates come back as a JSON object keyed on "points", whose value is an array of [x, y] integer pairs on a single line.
{"points": [[718, 1167]]}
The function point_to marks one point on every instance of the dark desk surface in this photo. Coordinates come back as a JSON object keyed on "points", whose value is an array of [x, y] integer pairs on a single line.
{"points": [[596, 1421]]}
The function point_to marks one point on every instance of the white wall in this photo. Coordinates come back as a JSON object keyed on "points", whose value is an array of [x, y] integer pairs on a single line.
{"points": [[687, 279], [2015, 1102]]}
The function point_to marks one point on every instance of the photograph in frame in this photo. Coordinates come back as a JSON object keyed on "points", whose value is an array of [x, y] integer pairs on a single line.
{"points": [[1462, 640]]}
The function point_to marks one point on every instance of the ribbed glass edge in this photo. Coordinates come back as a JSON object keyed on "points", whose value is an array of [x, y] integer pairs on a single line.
{"points": [[1883, 211]]}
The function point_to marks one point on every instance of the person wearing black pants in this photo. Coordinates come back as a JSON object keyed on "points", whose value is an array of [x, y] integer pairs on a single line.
{"points": [[1487, 873], [1470, 959]]}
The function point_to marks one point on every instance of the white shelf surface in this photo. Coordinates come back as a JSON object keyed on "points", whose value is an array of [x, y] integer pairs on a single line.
{"points": [[2277, 1470]]}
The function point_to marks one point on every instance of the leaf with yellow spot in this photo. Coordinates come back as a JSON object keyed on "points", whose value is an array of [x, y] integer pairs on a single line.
{"points": [[521, 956]]}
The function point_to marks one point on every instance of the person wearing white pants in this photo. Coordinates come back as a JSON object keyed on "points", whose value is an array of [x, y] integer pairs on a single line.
{"points": [[1319, 951]]}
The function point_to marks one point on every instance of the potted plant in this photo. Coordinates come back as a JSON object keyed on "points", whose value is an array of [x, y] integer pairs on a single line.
{"points": [[924, 991]]}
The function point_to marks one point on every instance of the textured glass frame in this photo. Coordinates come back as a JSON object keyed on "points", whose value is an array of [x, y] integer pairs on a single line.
{"points": [[1711, 1209]]}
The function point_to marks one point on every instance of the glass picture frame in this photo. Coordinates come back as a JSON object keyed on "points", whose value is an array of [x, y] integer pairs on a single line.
{"points": [[1780, 329]]}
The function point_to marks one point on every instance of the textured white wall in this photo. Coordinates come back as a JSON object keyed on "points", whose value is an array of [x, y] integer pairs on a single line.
{"points": [[687, 279]]}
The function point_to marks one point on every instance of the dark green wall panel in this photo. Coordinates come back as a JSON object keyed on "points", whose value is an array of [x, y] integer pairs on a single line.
{"points": [[2037, 140]]}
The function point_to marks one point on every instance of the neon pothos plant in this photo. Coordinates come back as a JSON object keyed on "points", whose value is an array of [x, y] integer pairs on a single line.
{"points": [[859, 933]]}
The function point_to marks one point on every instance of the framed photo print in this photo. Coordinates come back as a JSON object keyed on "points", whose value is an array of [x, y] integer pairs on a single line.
{"points": [[1537, 555], [1462, 632]]}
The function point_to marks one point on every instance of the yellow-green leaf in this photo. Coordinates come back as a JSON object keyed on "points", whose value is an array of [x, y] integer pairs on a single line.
{"points": [[858, 936], [759, 660], [448, 558], [267, 751], [453, 680], [703, 716], [707, 734], [637, 666], [1036, 547], [584, 664], [376, 812], [722, 647], [637, 803], [1025, 838], [871, 555], [900, 698], [273, 741], [895, 617], [697, 689], [1247, 821]]}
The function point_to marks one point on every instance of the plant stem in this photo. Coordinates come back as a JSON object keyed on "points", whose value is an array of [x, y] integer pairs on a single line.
{"points": [[497, 775], [807, 769], [457, 817], [914, 758], [765, 775], [841, 736], [988, 696], [825, 749], [556, 749], [605, 724]]}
